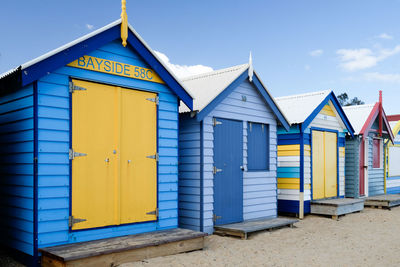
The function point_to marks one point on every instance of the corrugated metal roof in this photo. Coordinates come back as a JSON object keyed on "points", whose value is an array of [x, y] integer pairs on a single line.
{"points": [[358, 115], [205, 87], [297, 108], [85, 37]]}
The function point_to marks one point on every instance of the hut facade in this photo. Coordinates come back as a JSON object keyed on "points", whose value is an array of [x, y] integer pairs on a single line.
{"points": [[392, 156], [365, 152], [311, 155], [89, 143], [227, 150]]}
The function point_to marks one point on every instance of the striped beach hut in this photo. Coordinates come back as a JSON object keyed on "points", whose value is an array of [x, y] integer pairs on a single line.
{"points": [[227, 150], [365, 152], [311, 154], [89, 143], [392, 156]]}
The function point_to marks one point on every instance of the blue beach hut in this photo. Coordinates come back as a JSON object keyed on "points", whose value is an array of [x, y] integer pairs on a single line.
{"points": [[311, 156], [227, 150], [89, 143]]}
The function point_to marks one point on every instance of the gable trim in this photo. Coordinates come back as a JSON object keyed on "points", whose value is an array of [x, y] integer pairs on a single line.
{"points": [[205, 111], [372, 117], [338, 108], [39, 67]]}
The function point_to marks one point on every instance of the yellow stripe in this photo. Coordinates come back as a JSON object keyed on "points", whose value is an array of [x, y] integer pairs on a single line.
{"points": [[288, 147], [288, 180], [293, 186], [327, 110], [342, 152]]}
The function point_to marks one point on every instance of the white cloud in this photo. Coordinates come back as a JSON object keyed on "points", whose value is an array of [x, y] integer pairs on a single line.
{"points": [[382, 77], [316, 53], [182, 71], [363, 58], [385, 36], [89, 26]]}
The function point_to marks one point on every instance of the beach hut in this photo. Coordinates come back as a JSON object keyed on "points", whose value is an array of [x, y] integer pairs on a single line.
{"points": [[227, 150], [392, 152], [364, 153], [89, 149], [311, 154]]}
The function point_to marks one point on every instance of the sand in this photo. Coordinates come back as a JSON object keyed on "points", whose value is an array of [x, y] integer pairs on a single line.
{"points": [[369, 238]]}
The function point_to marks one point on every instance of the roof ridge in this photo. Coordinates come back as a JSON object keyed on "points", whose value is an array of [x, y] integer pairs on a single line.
{"points": [[213, 73], [303, 95]]}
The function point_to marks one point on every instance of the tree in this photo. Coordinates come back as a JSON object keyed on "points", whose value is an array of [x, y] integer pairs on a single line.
{"points": [[345, 101]]}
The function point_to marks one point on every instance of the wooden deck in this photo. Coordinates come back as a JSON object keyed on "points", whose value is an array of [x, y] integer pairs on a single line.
{"points": [[114, 251], [383, 201], [243, 229], [336, 207]]}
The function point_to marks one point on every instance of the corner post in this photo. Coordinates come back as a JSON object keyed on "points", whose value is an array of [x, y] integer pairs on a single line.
{"points": [[301, 194]]}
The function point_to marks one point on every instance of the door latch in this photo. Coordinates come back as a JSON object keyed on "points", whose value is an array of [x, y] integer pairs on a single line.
{"points": [[216, 170], [215, 217]]}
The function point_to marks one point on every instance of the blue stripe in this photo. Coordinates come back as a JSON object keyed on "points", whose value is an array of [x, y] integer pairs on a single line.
{"points": [[293, 206]]}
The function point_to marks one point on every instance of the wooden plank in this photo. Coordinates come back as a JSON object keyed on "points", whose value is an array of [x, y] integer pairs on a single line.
{"points": [[77, 251], [114, 259], [336, 207], [244, 228]]}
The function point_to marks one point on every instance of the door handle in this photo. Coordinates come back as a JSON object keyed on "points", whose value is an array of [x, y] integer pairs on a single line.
{"points": [[107, 160], [242, 168]]}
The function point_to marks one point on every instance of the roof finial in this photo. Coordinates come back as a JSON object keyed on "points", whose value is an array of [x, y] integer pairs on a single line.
{"points": [[251, 70], [124, 23]]}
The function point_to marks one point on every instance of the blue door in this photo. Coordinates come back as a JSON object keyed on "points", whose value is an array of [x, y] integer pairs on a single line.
{"points": [[228, 174]]}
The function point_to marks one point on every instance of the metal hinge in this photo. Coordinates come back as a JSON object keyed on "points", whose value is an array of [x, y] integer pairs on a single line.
{"points": [[154, 212], [155, 100], [215, 170], [215, 217], [73, 154], [153, 157], [73, 88], [72, 221], [215, 122]]}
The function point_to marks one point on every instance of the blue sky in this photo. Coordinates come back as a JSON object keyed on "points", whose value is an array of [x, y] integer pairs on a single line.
{"points": [[297, 46]]}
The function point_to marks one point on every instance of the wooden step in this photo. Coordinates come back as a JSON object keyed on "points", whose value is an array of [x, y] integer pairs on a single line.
{"points": [[118, 250], [247, 227], [336, 207], [383, 201]]}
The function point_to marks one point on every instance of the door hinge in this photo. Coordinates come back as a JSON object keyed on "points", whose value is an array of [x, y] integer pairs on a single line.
{"points": [[154, 99], [215, 217], [153, 157], [73, 87], [73, 154], [154, 212], [216, 170], [215, 122], [72, 221]]}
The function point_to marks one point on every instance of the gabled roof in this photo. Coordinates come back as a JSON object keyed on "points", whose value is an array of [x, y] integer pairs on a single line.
{"points": [[209, 89], [303, 108], [358, 115], [207, 86], [363, 116], [297, 108], [40, 66]]}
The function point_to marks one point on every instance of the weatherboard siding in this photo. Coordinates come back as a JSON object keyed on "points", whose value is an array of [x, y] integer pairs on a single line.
{"points": [[53, 142], [352, 167], [259, 187], [289, 160], [376, 183], [189, 173], [16, 169], [392, 182]]}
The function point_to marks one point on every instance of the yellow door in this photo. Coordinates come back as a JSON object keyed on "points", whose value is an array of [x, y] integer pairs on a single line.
{"points": [[318, 171], [139, 144], [93, 117], [115, 182], [330, 164], [324, 158]]}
